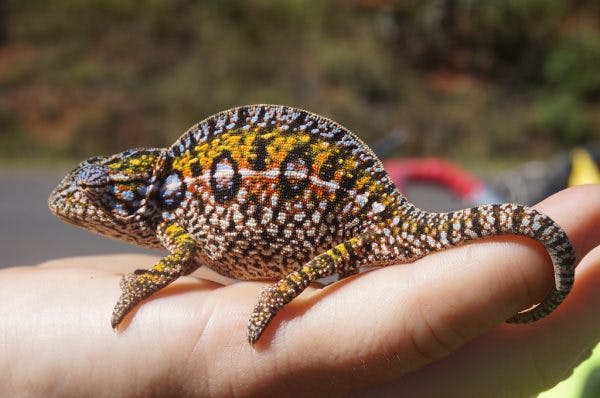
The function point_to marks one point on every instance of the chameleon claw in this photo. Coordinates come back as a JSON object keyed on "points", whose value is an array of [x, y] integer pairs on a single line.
{"points": [[256, 326], [130, 296], [122, 308], [269, 303]]}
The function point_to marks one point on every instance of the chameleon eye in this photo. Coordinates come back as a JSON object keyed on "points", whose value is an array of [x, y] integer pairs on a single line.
{"points": [[92, 176]]}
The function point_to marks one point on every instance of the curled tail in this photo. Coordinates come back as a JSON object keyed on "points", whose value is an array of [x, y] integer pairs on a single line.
{"points": [[436, 231]]}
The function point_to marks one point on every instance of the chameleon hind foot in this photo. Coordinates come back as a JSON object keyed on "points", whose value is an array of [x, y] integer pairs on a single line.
{"points": [[270, 301], [344, 259]]}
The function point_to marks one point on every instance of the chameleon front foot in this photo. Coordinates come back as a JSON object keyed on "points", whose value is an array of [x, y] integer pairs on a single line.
{"points": [[143, 283], [131, 294]]}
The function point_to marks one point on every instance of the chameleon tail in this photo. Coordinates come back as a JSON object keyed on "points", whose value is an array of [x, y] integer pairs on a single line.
{"points": [[439, 230]]}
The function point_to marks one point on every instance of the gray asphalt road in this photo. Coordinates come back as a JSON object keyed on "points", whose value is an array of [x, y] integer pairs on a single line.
{"points": [[29, 234]]}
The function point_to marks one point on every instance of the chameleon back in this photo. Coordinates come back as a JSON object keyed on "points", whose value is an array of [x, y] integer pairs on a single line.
{"points": [[263, 189]]}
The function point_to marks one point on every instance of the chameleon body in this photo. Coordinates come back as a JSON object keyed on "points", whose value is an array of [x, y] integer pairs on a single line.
{"points": [[274, 192]]}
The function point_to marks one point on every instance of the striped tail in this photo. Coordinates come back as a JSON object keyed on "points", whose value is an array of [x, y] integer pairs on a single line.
{"points": [[439, 230]]}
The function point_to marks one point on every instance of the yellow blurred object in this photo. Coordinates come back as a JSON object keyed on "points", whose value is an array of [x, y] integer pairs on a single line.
{"points": [[583, 168]]}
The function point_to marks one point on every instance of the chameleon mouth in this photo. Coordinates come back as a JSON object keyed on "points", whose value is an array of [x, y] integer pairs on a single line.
{"points": [[57, 198], [64, 203], [54, 201]]}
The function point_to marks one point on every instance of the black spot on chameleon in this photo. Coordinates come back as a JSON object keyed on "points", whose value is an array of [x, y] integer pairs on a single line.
{"points": [[176, 151], [210, 128], [261, 114], [225, 178], [328, 168], [349, 179], [496, 210], [196, 170], [124, 198], [294, 173], [260, 154], [171, 191], [240, 117], [298, 120]]}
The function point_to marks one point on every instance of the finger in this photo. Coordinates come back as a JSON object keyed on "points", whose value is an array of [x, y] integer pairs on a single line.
{"points": [[117, 263], [577, 210], [122, 264], [516, 360]]}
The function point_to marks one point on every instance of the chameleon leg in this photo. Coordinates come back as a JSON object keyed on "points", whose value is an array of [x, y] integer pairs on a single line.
{"points": [[345, 258], [139, 285]]}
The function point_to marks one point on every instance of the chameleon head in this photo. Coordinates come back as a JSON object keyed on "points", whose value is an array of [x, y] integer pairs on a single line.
{"points": [[109, 195]]}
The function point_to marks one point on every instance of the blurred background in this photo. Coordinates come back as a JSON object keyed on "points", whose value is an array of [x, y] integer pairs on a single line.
{"points": [[487, 86], [473, 81]]}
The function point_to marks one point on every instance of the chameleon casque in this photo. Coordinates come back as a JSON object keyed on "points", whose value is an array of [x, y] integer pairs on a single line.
{"points": [[274, 192]]}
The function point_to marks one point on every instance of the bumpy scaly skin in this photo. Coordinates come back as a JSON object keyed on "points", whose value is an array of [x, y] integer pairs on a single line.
{"points": [[275, 192]]}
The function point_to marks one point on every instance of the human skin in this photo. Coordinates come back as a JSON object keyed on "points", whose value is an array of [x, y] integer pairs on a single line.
{"points": [[430, 328]]}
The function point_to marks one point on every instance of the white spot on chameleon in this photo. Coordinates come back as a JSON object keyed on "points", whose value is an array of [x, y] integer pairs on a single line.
{"points": [[362, 199], [378, 207], [471, 233], [281, 218], [316, 217], [274, 199], [443, 238], [237, 216], [346, 209], [431, 242], [323, 205], [548, 231], [267, 215]]}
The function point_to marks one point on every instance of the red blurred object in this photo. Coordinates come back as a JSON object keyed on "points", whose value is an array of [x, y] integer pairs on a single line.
{"points": [[463, 184]]}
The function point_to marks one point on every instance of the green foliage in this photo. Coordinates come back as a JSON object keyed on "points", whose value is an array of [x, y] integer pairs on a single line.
{"points": [[573, 66], [564, 118], [502, 38], [19, 147]]}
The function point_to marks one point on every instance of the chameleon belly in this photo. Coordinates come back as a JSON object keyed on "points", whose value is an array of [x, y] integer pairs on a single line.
{"points": [[267, 191]]}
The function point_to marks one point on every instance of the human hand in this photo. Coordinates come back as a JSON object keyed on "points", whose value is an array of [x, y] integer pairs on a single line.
{"points": [[430, 328]]}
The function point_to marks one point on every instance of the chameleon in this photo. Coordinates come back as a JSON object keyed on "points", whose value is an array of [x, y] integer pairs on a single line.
{"points": [[274, 192]]}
